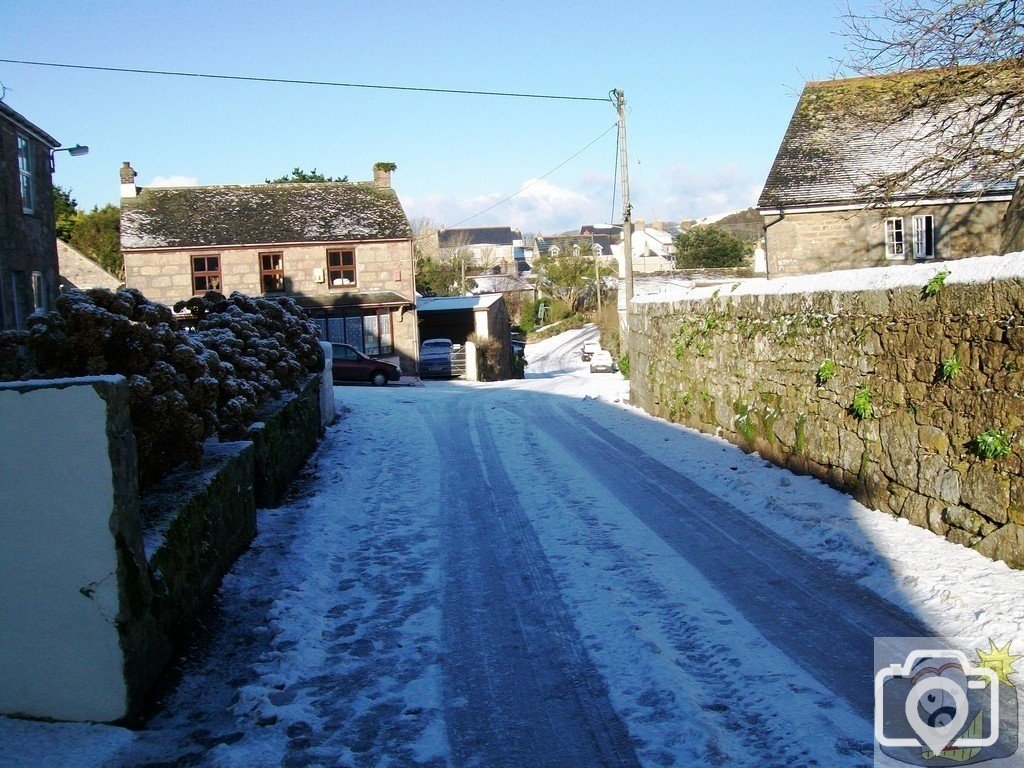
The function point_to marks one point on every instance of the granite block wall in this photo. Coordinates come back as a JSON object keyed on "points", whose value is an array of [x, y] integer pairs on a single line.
{"points": [[779, 374]]}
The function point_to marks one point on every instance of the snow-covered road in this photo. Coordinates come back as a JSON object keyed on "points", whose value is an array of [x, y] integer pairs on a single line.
{"points": [[532, 574]]}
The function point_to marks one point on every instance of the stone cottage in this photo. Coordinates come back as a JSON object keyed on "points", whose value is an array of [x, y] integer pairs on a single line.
{"points": [[28, 239], [821, 205], [342, 250]]}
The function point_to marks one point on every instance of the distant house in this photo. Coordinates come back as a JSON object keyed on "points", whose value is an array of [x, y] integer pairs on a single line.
{"points": [[488, 246], [78, 271], [342, 250], [601, 246], [28, 238], [818, 207]]}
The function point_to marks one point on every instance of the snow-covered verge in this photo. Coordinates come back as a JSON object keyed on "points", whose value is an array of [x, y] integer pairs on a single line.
{"points": [[979, 269]]}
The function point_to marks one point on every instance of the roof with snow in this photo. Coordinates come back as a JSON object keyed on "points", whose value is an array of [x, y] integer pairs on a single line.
{"points": [[478, 236], [836, 147], [185, 217], [448, 303]]}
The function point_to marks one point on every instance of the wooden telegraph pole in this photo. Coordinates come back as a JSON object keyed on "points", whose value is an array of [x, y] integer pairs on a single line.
{"points": [[627, 219]]}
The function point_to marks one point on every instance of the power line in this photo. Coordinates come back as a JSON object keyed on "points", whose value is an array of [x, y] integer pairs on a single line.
{"points": [[535, 181], [288, 81]]}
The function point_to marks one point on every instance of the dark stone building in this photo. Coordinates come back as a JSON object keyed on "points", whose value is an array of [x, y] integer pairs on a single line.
{"points": [[28, 240]]}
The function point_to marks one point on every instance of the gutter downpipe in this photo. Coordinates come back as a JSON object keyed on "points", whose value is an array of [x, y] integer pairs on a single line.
{"points": [[767, 268]]}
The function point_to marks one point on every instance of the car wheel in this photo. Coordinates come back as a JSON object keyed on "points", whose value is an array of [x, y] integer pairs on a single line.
{"points": [[379, 379]]}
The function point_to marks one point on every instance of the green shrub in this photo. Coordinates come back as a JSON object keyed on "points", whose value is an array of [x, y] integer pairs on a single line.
{"points": [[861, 406], [624, 365], [709, 247], [826, 372], [558, 310], [951, 367], [991, 444], [933, 286], [529, 320]]}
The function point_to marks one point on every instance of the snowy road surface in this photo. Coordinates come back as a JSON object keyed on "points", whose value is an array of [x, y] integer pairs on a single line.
{"points": [[534, 574]]}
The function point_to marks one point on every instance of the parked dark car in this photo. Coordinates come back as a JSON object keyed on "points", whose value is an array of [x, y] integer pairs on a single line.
{"points": [[352, 365]]}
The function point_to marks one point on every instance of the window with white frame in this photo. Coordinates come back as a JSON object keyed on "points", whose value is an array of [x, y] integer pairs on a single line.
{"points": [[924, 237], [894, 246], [28, 191], [39, 292]]}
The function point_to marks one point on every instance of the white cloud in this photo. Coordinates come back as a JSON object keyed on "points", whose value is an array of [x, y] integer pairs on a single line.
{"points": [[680, 191], [698, 192], [174, 181], [540, 206]]}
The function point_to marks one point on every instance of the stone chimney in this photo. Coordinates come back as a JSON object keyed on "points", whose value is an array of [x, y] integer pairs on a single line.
{"points": [[658, 224], [382, 174], [128, 188], [639, 225]]}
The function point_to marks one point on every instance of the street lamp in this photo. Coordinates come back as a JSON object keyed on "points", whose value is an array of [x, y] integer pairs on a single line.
{"points": [[76, 151]]}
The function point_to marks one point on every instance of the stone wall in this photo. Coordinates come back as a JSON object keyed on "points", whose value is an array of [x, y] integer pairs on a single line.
{"points": [[79, 271], [817, 242], [749, 368], [166, 275], [196, 522], [284, 436], [28, 241], [100, 585], [1013, 223]]}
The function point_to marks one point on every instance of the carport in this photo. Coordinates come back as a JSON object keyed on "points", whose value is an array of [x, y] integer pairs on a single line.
{"points": [[459, 317]]}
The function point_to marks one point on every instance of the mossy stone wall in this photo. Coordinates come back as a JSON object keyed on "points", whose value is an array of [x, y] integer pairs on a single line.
{"points": [[746, 368], [197, 522], [287, 432]]}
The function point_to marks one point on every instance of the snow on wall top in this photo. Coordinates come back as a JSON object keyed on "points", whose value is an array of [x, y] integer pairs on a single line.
{"points": [[260, 214], [980, 269]]}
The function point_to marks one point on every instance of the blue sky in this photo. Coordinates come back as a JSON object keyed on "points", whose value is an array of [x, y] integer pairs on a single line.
{"points": [[710, 87]]}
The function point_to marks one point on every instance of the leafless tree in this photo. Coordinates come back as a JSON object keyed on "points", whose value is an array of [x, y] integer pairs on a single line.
{"points": [[963, 121]]}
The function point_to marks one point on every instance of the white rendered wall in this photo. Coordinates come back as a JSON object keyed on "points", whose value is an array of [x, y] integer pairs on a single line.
{"points": [[327, 407], [60, 655]]}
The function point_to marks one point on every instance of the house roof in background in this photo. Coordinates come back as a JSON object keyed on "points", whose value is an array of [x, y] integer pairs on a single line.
{"points": [[829, 155], [613, 230], [28, 127], [544, 242], [186, 217], [478, 236]]}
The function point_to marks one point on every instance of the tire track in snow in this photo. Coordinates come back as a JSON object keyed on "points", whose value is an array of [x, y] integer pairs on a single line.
{"points": [[694, 682], [519, 689], [799, 603]]}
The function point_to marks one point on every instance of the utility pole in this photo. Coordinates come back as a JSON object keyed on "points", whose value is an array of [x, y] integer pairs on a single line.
{"points": [[627, 216]]}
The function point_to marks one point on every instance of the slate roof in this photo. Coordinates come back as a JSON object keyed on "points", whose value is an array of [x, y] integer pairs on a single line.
{"points": [[829, 157], [544, 243], [188, 217], [31, 128], [478, 236]]}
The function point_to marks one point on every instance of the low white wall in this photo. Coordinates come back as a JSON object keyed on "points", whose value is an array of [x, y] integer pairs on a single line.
{"points": [[328, 412], [60, 654]]}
